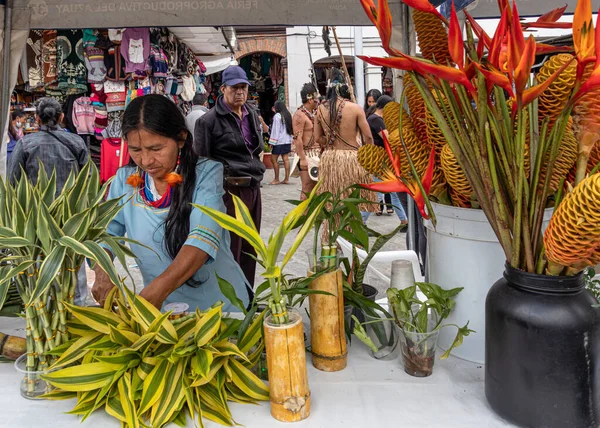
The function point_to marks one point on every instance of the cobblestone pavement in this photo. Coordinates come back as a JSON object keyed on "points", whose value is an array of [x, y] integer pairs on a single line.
{"points": [[275, 208]]}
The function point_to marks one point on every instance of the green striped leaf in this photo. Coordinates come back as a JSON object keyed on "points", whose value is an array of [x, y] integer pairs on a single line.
{"points": [[242, 213], [237, 227], [236, 395], [50, 190], [201, 362], [184, 328], [78, 349], [102, 258], [228, 349], [247, 381], [53, 228], [48, 271], [122, 335], [214, 369], [143, 312], [77, 328], [172, 398], [306, 228], [146, 367], [122, 358], [126, 395], [59, 394], [96, 318], [104, 344], [252, 335], [143, 343], [207, 326], [115, 408], [154, 385], [166, 332], [217, 415], [15, 242], [86, 377]]}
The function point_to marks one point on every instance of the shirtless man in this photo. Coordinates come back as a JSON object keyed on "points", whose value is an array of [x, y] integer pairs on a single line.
{"points": [[338, 128], [303, 123], [340, 122]]}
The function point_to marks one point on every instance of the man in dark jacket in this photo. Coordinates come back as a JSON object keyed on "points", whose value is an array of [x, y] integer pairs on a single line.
{"points": [[230, 133]]}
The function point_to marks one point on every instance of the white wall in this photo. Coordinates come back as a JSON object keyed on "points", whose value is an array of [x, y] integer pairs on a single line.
{"points": [[299, 60]]}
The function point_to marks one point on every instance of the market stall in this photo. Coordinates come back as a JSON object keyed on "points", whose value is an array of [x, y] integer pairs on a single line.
{"points": [[367, 390]]}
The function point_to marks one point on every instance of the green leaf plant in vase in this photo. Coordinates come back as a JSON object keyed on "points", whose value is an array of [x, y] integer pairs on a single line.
{"points": [[146, 369], [419, 322], [512, 136], [44, 240], [283, 327]]}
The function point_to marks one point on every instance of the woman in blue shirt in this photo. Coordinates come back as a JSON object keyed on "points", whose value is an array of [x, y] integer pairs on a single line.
{"points": [[158, 187]]}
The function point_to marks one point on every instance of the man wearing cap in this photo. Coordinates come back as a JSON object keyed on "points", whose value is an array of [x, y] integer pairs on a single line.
{"points": [[231, 134]]}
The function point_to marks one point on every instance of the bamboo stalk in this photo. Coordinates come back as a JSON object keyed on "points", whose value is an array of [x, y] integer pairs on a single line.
{"points": [[286, 363], [349, 81], [327, 337]]}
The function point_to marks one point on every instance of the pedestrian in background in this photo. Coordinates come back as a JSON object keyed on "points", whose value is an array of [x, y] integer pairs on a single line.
{"points": [[231, 134], [15, 125], [281, 141], [199, 108], [59, 152], [306, 145], [370, 101], [378, 130]]}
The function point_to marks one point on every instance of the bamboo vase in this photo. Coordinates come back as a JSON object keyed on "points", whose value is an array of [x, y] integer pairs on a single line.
{"points": [[286, 363], [327, 335]]}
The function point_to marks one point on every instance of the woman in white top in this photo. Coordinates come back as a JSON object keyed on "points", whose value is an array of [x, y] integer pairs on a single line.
{"points": [[281, 140]]}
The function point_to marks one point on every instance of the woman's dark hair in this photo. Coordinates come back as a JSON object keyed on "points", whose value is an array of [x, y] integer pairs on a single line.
{"points": [[11, 128], [338, 90], [370, 111], [49, 111], [307, 92], [375, 94], [286, 117], [382, 101], [158, 115]]}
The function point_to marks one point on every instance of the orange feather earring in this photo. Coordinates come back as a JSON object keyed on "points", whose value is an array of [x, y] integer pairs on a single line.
{"points": [[135, 179], [174, 178]]}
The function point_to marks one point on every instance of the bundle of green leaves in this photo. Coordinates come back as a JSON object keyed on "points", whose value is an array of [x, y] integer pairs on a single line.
{"points": [[146, 370]]}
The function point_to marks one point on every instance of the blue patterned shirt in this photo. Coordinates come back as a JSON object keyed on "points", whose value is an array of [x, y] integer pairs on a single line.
{"points": [[146, 225]]}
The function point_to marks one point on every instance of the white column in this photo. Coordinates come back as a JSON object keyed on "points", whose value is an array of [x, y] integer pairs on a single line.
{"points": [[373, 78], [359, 67], [298, 65]]}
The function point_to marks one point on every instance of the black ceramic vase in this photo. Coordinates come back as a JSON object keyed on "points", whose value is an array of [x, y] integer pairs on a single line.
{"points": [[542, 351]]}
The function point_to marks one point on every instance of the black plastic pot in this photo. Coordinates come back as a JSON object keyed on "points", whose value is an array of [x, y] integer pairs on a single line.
{"points": [[370, 293], [542, 351]]}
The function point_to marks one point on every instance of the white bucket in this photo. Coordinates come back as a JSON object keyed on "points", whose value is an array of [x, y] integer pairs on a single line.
{"points": [[463, 251]]}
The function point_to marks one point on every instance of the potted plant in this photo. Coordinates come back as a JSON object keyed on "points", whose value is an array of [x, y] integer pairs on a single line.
{"points": [[147, 369], [283, 328], [266, 156], [419, 322], [45, 239], [508, 145]]}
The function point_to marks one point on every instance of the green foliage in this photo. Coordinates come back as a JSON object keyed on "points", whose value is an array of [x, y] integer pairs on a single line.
{"points": [[146, 370], [44, 239], [593, 285], [267, 253], [413, 315]]}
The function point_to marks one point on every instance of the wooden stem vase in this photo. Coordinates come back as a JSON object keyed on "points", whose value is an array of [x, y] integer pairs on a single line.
{"points": [[327, 335], [286, 362]]}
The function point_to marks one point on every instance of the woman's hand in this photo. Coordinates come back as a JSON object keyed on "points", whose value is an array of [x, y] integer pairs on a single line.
{"points": [[155, 293], [102, 286]]}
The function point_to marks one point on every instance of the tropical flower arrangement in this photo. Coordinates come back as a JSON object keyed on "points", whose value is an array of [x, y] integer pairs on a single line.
{"points": [[504, 142]]}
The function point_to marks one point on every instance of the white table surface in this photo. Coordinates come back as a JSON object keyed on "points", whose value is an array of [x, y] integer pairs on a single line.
{"points": [[368, 393]]}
